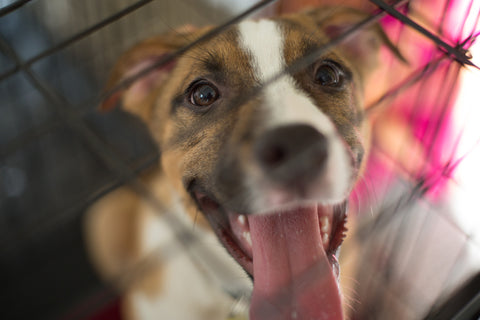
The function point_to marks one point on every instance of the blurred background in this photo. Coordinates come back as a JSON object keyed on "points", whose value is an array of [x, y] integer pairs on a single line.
{"points": [[414, 248]]}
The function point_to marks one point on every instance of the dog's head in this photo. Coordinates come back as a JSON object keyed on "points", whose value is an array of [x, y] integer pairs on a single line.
{"points": [[268, 157]]}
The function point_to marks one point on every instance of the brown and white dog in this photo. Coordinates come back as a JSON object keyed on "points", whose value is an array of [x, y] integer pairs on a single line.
{"points": [[270, 169]]}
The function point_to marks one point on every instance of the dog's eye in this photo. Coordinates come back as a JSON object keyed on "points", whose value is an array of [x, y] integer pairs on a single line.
{"points": [[328, 75], [203, 94]]}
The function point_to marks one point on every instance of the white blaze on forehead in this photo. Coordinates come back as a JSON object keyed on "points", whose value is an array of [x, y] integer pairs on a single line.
{"points": [[264, 42], [286, 104]]}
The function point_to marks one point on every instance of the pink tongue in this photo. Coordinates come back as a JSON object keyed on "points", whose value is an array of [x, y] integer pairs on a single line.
{"points": [[293, 278]]}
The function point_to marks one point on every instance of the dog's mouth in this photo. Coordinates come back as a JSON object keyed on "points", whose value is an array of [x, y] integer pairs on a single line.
{"points": [[290, 253]]}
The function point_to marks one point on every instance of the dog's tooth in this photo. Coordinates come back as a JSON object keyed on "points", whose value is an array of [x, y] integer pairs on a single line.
{"points": [[324, 224], [325, 239], [241, 219], [247, 237]]}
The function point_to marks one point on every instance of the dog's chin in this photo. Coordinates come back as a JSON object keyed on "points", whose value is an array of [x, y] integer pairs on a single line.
{"points": [[233, 228]]}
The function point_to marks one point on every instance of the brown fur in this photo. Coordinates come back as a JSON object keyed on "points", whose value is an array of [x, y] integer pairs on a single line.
{"points": [[191, 145]]}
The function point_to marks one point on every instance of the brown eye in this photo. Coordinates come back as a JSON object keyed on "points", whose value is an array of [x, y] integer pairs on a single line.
{"points": [[328, 75], [203, 94]]}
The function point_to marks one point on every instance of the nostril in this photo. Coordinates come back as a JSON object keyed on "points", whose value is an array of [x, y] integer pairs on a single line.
{"points": [[321, 149], [273, 155]]}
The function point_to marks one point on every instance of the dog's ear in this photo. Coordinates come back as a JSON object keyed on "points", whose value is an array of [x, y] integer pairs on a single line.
{"points": [[363, 46], [134, 97]]}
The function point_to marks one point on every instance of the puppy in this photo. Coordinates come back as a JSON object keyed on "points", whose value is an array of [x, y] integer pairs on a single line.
{"points": [[262, 159]]}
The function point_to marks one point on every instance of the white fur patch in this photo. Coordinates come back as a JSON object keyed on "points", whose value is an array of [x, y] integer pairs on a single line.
{"points": [[195, 280], [288, 104], [263, 40]]}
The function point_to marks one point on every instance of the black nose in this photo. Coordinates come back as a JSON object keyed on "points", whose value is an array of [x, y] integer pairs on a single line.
{"points": [[292, 153]]}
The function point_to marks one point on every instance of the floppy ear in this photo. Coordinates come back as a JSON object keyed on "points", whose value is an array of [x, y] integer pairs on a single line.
{"points": [[363, 46], [135, 97]]}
